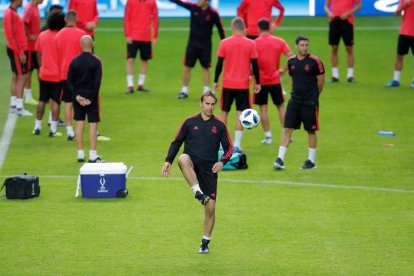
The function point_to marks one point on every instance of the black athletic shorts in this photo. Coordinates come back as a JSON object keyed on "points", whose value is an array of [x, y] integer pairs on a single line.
{"points": [[201, 52], [144, 48], [92, 111], [206, 178], [32, 61], [66, 96], [16, 66], [240, 95], [49, 90], [275, 92], [297, 113], [405, 42], [341, 28]]}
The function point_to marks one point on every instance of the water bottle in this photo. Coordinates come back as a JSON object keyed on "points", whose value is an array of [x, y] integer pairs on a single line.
{"points": [[386, 133]]}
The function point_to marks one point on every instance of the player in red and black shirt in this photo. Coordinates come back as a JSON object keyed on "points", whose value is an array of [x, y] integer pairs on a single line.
{"points": [[203, 134], [308, 76], [202, 20]]}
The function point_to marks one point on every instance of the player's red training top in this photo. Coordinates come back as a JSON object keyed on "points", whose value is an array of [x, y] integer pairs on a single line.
{"points": [[407, 23], [14, 31], [87, 11], [68, 47], [269, 49], [141, 20], [338, 7], [46, 46], [254, 10], [236, 50], [31, 18]]}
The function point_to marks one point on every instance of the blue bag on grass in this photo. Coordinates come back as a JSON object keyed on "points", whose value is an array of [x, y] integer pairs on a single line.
{"points": [[238, 161]]}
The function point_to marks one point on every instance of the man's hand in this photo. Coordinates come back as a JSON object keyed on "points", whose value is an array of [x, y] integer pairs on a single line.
{"points": [[82, 101], [216, 87], [90, 26], [166, 168], [217, 167], [129, 40], [257, 88], [22, 59]]}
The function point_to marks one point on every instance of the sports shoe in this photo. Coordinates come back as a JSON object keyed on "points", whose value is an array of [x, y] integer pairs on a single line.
{"points": [[71, 138], [81, 159], [204, 199], [332, 80], [30, 101], [182, 95], [97, 160], [130, 90], [308, 165], [61, 123], [267, 141], [412, 84], [55, 134], [203, 246], [279, 165], [23, 112], [36, 131], [393, 83], [141, 88], [103, 138], [352, 80], [12, 109]]}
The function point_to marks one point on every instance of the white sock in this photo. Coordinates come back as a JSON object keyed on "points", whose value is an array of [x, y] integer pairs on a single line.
{"points": [[81, 154], [184, 89], [38, 124], [130, 80], [312, 155], [13, 101], [196, 188], [237, 138], [397, 75], [53, 126], [206, 238], [19, 103], [141, 79], [69, 130], [50, 117], [350, 73], [93, 154], [28, 93], [206, 88], [268, 134], [335, 72], [282, 152]]}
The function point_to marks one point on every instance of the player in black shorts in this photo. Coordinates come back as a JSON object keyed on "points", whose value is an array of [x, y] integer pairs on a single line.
{"points": [[202, 134], [341, 16], [202, 20], [84, 81], [308, 76]]}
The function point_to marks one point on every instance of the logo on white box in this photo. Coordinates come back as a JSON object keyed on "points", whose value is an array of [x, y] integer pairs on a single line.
{"points": [[102, 189]]}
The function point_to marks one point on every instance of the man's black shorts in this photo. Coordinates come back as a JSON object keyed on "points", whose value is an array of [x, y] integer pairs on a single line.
{"points": [[32, 61], [49, 90], [405, 42], [66, 96], [201, 52], [144, 48], [206, 178], [91, 110], [341, 28], [240, 95], [275, 92], [16, 66], [297, 113]]}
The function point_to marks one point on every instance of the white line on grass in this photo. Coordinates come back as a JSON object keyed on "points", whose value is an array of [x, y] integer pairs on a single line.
{"points": [[259, 181], [6, 137]]}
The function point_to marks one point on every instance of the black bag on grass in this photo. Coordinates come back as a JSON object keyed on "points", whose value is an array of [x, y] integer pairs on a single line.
{"points": [[22, 186]]}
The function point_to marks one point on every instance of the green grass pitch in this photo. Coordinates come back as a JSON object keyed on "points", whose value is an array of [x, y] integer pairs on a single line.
{"points": [[354, 214]]}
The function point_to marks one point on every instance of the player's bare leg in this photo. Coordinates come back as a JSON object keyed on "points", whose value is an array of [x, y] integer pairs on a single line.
{"points": [[143, 67], [130, 75], [206, 79], [334, 63], [350, 60], [79, 140]]}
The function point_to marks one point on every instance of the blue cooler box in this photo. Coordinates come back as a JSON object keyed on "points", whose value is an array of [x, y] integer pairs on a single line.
{"points": [[102, 179]]}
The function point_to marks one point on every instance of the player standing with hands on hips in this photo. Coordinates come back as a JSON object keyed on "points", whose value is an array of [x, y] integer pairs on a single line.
{"points": [[202, 133], [308, 77]]}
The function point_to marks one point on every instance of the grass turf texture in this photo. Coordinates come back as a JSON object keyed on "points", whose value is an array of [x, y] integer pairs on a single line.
{"points": [[268, 222]]}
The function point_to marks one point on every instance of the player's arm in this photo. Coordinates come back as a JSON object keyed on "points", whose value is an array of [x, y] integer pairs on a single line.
{"points": [[327, 9], [127, 23], [184, 4], [97, 81], [219, 26], [281, 12], [155, 22], [242, 11], [320, 81], [226, 143], [70, 81], [92, 24], [255, 69], [217, 73], [402, 6], [174, 148]]}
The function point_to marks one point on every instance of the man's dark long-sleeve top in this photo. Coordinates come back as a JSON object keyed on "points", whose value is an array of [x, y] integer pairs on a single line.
{"points": [[201, 22], [202, 140], [84, 76]]}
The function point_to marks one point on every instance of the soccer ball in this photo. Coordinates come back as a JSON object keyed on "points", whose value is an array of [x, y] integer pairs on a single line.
{"points": [[249, 118]]}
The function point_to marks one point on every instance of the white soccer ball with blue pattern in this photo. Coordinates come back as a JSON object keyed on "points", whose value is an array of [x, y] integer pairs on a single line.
{"points": [[249, 118]]}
